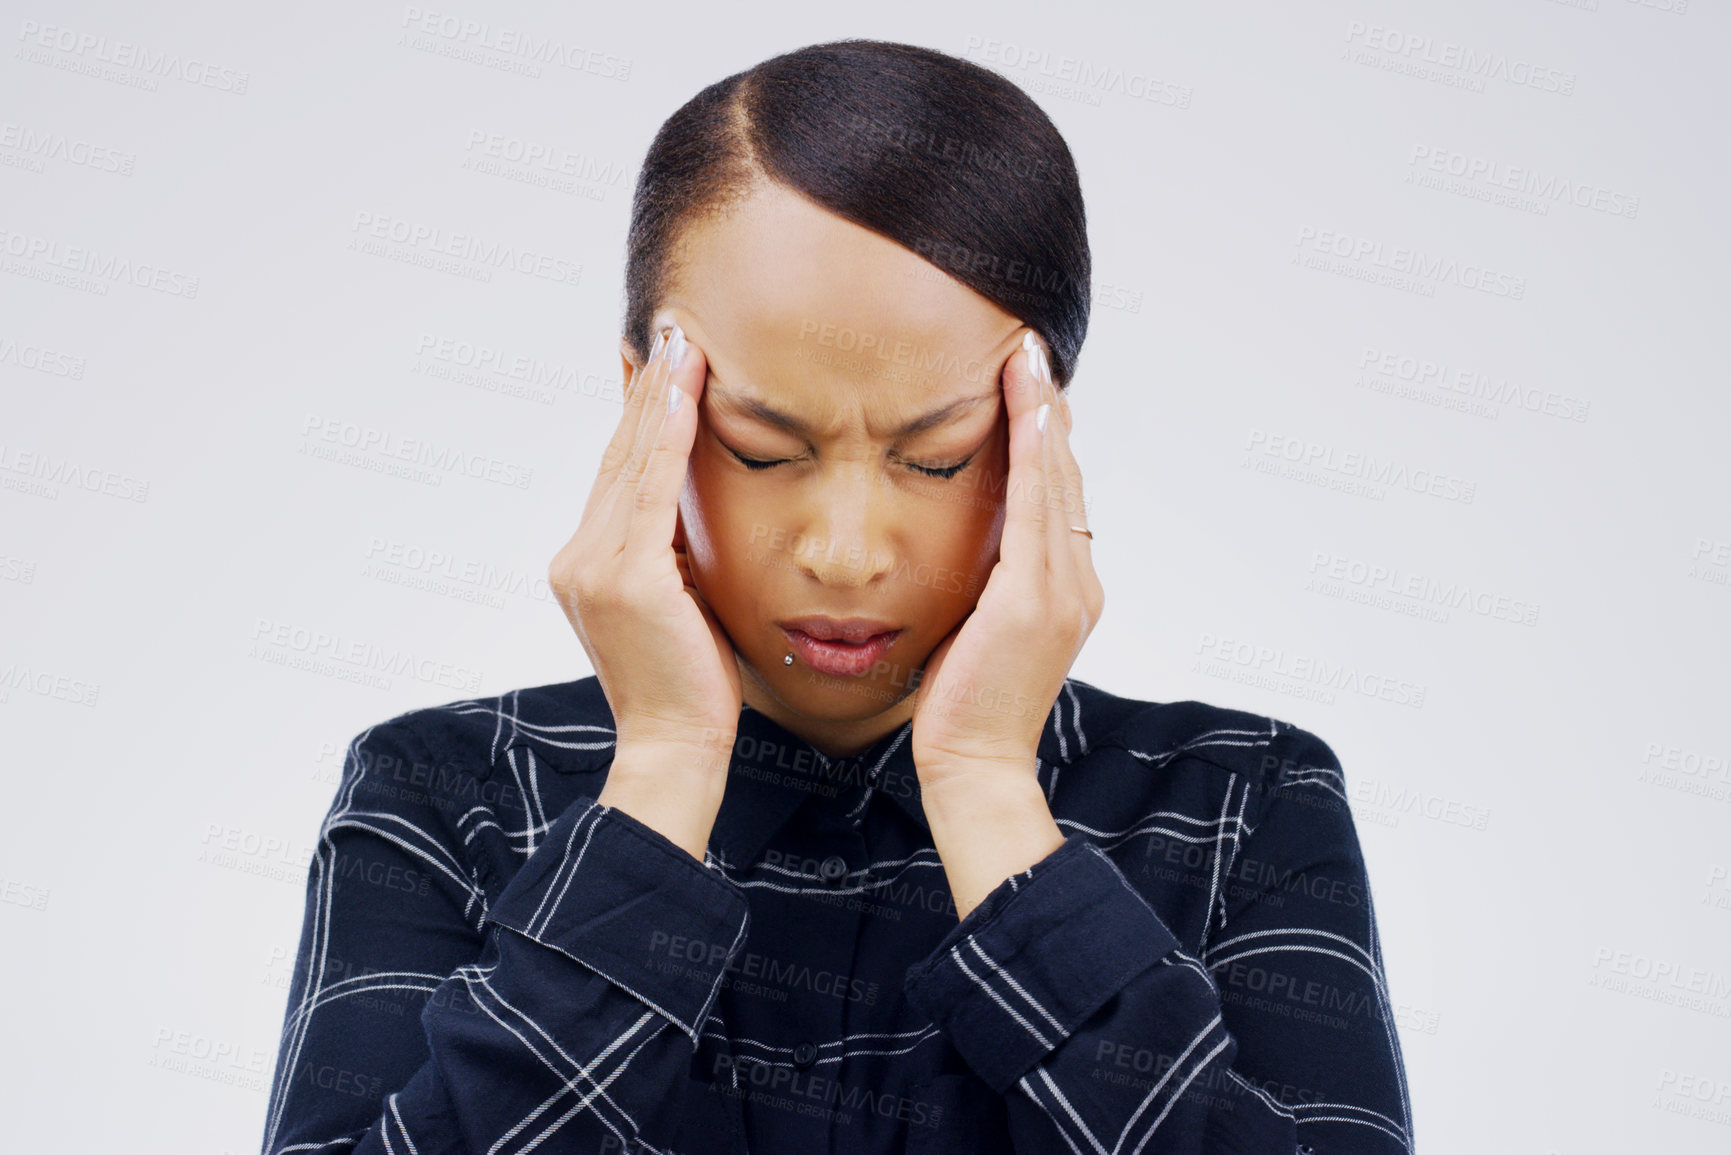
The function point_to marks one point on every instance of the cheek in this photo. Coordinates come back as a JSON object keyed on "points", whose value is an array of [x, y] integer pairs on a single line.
{"points": [[980, 535], [976, 521], [718, 514]]}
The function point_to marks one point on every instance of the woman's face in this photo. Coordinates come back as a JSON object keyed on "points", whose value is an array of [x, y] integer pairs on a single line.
{"points": [[867, 375]]}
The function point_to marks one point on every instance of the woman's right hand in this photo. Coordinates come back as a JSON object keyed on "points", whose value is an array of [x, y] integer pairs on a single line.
{"points": [[669, 671]]}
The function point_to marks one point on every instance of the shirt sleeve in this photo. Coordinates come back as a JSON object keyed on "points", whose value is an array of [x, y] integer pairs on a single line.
{"points": [[419, 1020], [1066, 993]]}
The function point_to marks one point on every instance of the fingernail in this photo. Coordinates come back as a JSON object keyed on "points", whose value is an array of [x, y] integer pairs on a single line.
{"points": [[674, 396], [1038, 365], [1040, 416], [676, 347], [658, 346]]}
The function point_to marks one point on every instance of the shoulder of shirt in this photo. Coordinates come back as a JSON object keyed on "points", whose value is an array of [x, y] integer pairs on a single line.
{"points": [[566, 725], [569, 726], [1268, 752]]}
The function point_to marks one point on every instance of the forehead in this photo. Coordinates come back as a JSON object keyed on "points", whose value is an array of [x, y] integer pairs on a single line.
{"points": [[790, 297]]}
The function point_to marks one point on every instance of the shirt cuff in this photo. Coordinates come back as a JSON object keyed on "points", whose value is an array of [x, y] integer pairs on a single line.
{"points": [[623, 900], [1036, 959]]}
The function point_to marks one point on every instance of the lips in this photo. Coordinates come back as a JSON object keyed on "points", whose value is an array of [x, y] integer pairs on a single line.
{"points": [[842, 648], [828, 629]]}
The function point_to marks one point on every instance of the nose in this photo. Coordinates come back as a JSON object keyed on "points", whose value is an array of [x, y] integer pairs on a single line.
{"points": [[847, 517]]}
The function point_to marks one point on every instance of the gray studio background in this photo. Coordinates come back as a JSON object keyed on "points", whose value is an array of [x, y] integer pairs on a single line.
{"points": [[1402, 414]]}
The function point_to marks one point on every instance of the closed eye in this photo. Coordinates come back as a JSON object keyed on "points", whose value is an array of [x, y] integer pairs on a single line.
{"points": [[945, 472]]}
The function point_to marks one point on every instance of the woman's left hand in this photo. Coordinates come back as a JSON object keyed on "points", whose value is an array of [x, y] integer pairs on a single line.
{"points": [[988, 688]]}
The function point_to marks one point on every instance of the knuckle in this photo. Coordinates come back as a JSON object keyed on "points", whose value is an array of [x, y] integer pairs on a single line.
{"points": [[597, 599], [644, 499], [582, 587], [559, 570]]}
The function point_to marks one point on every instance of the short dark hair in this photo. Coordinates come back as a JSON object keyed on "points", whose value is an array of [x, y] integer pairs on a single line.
{"points": [[944, 157]]}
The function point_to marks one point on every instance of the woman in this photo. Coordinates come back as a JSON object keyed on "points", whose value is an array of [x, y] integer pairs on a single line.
{"points": [[831, 854]]}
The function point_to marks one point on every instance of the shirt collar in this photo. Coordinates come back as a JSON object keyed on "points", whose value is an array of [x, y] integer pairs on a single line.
{"points": [[774, 772]]}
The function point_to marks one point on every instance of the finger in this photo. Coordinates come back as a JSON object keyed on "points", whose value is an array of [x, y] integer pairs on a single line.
{"points": [[619, 511], [1079, 577], [1023, 390], [1060, 556], [654, 408], [1074, 506], [619, 446], [1023, 543], [655, 509]]}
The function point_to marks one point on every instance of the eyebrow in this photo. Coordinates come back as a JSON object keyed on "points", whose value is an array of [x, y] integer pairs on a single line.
{"points": [[752, 407]]}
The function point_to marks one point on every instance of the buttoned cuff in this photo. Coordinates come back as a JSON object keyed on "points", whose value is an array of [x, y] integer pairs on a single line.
{"points": [[1036, 959], [623, 900]]}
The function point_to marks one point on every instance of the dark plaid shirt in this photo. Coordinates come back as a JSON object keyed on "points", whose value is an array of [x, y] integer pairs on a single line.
{"points": [[492, 962]]}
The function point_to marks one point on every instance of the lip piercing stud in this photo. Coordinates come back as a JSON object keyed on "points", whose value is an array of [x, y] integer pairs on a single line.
{"points": [[787, 661]]}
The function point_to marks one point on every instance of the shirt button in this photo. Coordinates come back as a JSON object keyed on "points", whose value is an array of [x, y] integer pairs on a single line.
{"points": [[832, 868], [805, 1055]]}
